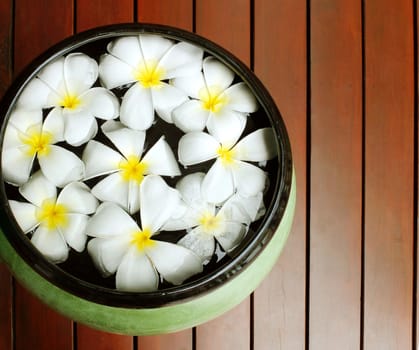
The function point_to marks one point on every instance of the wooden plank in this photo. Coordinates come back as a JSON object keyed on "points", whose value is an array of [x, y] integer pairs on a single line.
{"points": [[174, 341], [93, 13], [6, 290], [336, 175], [280, 62], [49, 22], [389, 152], [37, 326], [227, 23], [177, 13], [212, 18]]}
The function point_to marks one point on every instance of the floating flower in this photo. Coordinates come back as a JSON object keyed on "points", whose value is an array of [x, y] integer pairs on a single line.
{"points": [[59, 222], [215, 103], [122, 246], [148, 61], [230, 171], [27, 138], [66, 84], [127, 168], [206, 223]]}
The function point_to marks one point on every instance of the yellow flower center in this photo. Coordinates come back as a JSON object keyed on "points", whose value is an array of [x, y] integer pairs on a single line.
{"points": [[213, 99], [209, 222], [132, 169], [148, 74], [70, 101], [52, 215], [38, 141], [226, 155], [142, 239]]}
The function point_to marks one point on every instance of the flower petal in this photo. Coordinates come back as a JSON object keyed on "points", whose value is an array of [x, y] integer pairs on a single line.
{"points": [[100, 159], [25, 215], [190, 116], [217, 74], [190, 188], [218, 184], [133, 200], [22, 120], [137, 110], [197, 147], [61, 166], [226, 126], [248, 179], [258, 146], [80, 127], [241, 99], [153, 47], [182, 59], [127, 49], [113, 72], [201, 243], [53, 76], [112, 189], [110, 220], [38, 189], [191, 84], [37, 95], [244, 209], [175, 263], [158, 202], [136, 273], [75, 231], [16, 165], [165, 98], [231, 236], [107, 253], [51, 244], [160, 159], [101, 103], [54, 124], [80, 72], [76, 196], [129, 142]]}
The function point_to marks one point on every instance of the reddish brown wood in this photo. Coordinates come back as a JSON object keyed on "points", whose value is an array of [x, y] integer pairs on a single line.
{"points": [[39, 26], [389, 140], [174, 341], [93, 13], [177, 13], [88, 338], [336, 175], [280, 62], [36, 326], [39, 327], [230, 331], [227, 23], [5, 309]]}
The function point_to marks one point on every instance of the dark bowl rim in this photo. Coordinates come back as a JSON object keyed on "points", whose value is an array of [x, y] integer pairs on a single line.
{"points": [[207, 283]]}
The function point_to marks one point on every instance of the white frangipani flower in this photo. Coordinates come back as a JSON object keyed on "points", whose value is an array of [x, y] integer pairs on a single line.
{"points": [[147, 61], [207, 223], [231, 171], [26, 138], [59, 222], [215, 103], [66, 84], [127, 168], [122, 246]]}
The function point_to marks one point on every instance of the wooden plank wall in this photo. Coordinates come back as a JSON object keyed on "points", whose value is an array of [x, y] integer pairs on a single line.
{"points": [[344, 75]]}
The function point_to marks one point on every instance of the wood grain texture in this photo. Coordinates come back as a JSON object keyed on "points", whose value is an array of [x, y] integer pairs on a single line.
{"points": [[336, 175], [94, 13], [6, 309], [177, 13], [173, 341], [389, 135], [280, 62], [88, 338], [37, 326], [227, 23]]}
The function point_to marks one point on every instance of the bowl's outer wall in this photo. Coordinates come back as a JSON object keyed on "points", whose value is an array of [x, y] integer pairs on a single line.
{"points": [[165, 319]]}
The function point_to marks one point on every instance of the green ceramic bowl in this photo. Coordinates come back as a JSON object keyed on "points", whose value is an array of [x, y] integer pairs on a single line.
{"points": [[175, 307]]}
